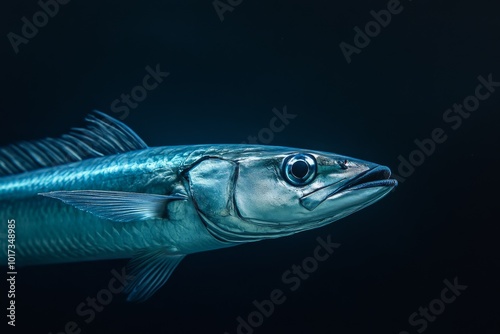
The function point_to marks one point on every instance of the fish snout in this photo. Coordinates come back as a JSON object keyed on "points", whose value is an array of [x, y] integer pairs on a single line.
{"points": [[377, 176]]}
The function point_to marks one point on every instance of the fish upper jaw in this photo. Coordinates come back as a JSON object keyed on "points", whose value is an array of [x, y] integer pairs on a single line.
{"points": [[378, 176]]}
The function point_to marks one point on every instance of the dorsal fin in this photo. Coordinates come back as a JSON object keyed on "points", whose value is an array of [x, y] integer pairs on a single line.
{"points": [[102, 136]]}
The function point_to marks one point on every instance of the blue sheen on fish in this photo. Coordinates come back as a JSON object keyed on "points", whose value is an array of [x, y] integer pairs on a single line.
{"points": [[100, 192]]}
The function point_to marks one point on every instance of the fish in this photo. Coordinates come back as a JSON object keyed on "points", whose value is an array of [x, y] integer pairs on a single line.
{"points": [[100, 193]]}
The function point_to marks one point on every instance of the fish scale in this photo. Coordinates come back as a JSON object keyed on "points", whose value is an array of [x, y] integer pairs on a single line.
{"points": [[52, 223]]}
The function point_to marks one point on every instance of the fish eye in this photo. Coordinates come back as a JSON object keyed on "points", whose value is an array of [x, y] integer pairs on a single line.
{"points": [[299, 169]]}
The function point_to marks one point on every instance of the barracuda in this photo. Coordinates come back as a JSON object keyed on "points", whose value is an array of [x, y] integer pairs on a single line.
{"points": [[100, 192]]}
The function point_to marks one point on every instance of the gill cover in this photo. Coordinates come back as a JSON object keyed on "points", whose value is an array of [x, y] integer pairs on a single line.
{"points": [[212, 184]]}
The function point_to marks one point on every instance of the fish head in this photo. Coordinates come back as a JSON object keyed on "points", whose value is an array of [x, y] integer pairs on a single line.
{"points": [[259, 192]]}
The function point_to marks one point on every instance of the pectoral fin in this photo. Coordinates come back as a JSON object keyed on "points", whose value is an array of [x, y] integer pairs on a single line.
{"points": [[150, 270], [117, 205]]}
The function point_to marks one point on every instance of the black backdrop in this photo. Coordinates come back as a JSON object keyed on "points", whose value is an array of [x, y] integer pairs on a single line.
{"points": [[225, 79]]}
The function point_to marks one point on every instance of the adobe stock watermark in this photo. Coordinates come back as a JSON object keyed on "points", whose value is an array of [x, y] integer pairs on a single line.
{"points": [[87, 309], [138, 93], [29, 29], [420, 320], [221, 7], [276, 125], [372, 29], [454, 118], [293, 279]]}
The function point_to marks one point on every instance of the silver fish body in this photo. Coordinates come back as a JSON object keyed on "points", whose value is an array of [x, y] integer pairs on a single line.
{"points": [[49, 231], [101, 193]]}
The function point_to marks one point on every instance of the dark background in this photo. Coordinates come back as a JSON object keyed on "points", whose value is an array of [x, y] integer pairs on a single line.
{"points": [[226, 77]]}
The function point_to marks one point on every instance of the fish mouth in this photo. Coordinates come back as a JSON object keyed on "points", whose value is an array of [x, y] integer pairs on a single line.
{"points": [[375, 177]]}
